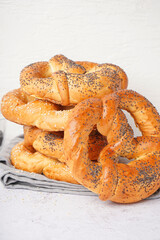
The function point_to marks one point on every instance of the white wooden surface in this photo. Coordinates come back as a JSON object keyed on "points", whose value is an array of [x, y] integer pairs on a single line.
{"points": [[126, 33]]}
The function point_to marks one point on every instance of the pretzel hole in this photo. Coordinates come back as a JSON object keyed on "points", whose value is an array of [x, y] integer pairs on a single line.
{"points": [[99, 142], [131, 121], [123, 160]]}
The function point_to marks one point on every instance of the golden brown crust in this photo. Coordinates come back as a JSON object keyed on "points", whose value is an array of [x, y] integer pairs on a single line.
{"points": [[66, 82], [51, 143], [124, 183], [60, 62], [144, 113], [42, 114], [36, 162]]}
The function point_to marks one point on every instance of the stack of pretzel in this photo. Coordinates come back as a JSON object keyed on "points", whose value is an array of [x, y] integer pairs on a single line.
{"points": [[75, 129]]}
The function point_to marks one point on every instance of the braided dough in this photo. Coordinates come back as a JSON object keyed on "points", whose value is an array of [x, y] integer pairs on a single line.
{"points": [[32, 161], [110, 179], [51, 143], [66, 82]]}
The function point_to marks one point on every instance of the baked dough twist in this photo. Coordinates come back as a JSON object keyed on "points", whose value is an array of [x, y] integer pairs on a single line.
{"points": [[110, 179], [66, 82], [20, 108], [42, 152], [51, 143], [32, 161]]}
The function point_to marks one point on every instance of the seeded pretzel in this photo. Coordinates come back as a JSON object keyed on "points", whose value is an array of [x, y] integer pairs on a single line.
{"points": [[51, 143], [66, 82], [110, 179], [20, 108], [32, 161]]}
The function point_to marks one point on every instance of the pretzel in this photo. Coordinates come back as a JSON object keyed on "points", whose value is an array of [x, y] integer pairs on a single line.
{"points": [[51, 143], [20, 108], [109, 178], [66, 82], [32, 161]]}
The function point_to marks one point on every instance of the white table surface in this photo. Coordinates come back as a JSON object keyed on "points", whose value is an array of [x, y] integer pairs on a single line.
{"points": [[35, 215]]}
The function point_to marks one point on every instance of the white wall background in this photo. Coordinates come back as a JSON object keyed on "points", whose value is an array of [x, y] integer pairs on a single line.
{"points": [[126, 33]]}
